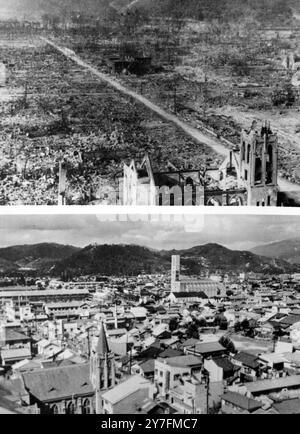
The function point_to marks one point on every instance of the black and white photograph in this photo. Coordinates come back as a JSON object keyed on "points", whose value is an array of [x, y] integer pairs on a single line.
{"points": [[150, 102], [129, 291], [150, 316]]}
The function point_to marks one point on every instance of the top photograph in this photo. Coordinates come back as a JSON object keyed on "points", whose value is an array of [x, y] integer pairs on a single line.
{"points": [[150, 102]]}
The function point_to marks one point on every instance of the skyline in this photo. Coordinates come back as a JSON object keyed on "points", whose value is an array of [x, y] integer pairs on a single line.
{"points": [[236, 232]]}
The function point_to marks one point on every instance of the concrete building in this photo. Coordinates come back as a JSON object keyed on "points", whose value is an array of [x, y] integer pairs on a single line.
{"points": [[185, 285]]}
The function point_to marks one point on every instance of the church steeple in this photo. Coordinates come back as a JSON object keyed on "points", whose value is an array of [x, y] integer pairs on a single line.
{"points": [[102, 368], [102, 347]]}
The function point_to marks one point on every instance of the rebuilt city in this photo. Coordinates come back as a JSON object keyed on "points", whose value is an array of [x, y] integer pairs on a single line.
{"points": [[124, 329]]}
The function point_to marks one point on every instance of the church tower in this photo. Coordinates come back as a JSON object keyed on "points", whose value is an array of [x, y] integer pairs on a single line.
{"points": [[102, 368], [175, 273], [258, 163]]}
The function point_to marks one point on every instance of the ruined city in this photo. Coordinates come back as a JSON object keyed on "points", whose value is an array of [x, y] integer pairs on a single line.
{"points": [[89, 89]]}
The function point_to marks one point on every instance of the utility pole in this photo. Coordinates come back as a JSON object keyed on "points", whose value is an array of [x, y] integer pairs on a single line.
{"points": [[89, 343], [207, 391]]}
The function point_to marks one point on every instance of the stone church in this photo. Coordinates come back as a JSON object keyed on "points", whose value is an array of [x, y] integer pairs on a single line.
{"points": [[71, 388], [248, 176]]}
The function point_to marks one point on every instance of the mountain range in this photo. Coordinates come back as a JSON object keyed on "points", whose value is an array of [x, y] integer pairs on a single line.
{"points": [[120, 260], [288, 250]]}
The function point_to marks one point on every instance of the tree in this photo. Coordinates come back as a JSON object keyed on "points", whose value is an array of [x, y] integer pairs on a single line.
{"points": [[237, 326], [221, 321], [201, 322], [173, 324], [227, 343], [192, 331]]}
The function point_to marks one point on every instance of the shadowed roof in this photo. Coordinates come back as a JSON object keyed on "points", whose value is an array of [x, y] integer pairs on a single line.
{"points": [[58, 383]]}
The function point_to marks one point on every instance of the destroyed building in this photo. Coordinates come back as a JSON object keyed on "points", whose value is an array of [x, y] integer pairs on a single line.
{"points": [[248, 176]]}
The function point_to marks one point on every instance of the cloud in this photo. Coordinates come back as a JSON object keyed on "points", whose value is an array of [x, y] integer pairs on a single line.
{"points": [[233, 231]]}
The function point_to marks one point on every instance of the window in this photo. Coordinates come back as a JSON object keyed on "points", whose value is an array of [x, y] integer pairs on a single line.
{"points": [[257, 203], [172, 199], [269, 201], [243, 151], [54, 409], [246, 175], [160, 201], [248, 153], [86, 407], [70, 408]]}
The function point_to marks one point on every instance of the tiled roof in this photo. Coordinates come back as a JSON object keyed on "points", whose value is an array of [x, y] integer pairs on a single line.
{"points": [[183, 361], [290, 320], [170, 352], [289, 406], [16, 353], [10, 335], [58, 383], [206, 347], [147, 366], [247, 359], [241, 401], [273, 384], [224, 363]]}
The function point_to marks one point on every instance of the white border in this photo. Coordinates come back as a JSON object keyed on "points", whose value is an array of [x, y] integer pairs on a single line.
{"points": [[154, 210]]}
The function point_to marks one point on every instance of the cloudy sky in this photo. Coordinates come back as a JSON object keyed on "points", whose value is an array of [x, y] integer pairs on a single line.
{"points": [[235, 231]]}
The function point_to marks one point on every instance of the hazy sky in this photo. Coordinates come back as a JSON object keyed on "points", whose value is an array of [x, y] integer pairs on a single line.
{"points": [[237, 232]]}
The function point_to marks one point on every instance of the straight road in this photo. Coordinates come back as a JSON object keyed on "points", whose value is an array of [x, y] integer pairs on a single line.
{"points": [[192, 132]]}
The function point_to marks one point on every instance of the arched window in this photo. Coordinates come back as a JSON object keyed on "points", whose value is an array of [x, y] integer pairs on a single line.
{"points": [[172, 199], [70, 408], [86, 408], [160, 201], [248, 153], [243, 150], [54, 409], [258, 170], [269, 165], [191, 191]]}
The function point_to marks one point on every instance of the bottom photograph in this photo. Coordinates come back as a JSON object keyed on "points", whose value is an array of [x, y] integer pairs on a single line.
{"points": [[149, 314]]}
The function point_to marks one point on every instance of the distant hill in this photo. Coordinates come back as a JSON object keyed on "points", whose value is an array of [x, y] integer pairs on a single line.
{"points": [[215, 256], [289, 250], [39, 256], [114, 260], [131, 260]]}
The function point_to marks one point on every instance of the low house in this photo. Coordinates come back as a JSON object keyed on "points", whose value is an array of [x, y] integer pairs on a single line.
{"points": [[146, 369], [206, 349], [288, 406], [235, 403], [266, 387], [13, 355], [249, 365], [127, 397], [13, 338], [170, 371], [220, 368]]}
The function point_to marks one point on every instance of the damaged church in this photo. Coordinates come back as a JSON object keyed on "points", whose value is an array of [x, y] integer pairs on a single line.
{"points": [[248, 176]]}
